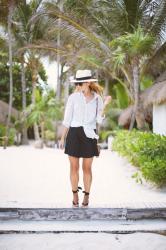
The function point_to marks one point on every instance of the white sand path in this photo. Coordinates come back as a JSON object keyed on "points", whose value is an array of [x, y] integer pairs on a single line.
{"points": [[40, 177]]}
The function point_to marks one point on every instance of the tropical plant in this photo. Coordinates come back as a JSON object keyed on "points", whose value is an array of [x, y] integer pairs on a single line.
{"points": [[87, 29], [12, 136], [110, 22], [98, 22], [45, 110], [6, 13], [25, 33], [139, 149], [129, 54]]}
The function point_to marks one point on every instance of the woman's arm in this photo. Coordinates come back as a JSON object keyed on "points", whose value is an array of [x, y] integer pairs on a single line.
{"points": [[102, 108], [106, 102], [63, 137], [66, 121]]}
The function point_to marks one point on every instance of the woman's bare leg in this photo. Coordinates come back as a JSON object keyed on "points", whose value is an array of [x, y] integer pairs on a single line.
{"points": [[74, 175], [87, 176]]}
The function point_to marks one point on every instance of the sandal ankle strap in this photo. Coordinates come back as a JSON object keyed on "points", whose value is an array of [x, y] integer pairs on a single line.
{"points": [[86, 193], [75, 191]]}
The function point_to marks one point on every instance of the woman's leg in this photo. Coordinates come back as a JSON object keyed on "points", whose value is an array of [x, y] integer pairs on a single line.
{"points": [[87, 176], [74, 175]]}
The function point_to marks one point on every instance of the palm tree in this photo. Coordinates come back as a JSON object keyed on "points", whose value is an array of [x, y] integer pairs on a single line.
{"points": [[104, 21], [6, 13], [97, 27], [34, 64], [24, 102], [45, 110], [129, 54], [26, 32]]}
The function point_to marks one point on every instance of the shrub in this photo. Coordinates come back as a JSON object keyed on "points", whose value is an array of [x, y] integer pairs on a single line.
{"points": [[50, 135], [12, 134], [144, 150], [104, 134]]}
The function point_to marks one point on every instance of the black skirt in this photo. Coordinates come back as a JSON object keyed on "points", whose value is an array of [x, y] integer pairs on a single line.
{"points": [[79, 145]]}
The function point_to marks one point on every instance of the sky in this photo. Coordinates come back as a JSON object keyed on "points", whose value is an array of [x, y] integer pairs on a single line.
{"points": [[51, 71]]}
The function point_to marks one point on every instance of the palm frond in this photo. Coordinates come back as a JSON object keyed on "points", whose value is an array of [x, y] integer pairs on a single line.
{"points": [[41, 46], [69, 24], [156, 63], [158, 20], [134, 43]]}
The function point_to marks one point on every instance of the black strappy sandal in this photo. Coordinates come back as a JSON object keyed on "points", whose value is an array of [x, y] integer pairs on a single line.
{"points": [[85, 204], [74, 203]]}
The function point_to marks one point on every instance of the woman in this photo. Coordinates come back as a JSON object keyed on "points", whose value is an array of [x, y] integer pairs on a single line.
{"points": [[83, 109]]}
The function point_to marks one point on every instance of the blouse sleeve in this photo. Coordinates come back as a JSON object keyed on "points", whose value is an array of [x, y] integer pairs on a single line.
{"points": [[100, 118], [68, 112]]}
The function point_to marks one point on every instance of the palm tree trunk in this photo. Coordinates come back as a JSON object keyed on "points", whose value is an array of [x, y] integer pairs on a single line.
{"points": [[35, 126], [66, 92], [23, 82], [58, 92], [42, 131], [136, 94], [106, 87], [11, 7], [140, 117]]}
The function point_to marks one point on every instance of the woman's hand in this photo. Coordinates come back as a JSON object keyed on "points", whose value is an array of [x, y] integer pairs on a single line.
{"points": [[107, 100], [61, 143], [63, 136]]}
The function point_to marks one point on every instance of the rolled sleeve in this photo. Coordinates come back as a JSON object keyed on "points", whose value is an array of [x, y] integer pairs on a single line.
{"points": [[100, 118], [68, 112]]}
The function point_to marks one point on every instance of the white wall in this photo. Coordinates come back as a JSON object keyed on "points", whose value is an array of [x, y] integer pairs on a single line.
{"points": [[159, 119]]}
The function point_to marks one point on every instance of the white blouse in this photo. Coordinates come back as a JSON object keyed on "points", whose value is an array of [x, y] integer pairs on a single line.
{"points": [[78, 113]]}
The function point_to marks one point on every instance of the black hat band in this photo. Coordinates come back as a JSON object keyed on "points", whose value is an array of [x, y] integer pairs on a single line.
{"points": [[84, 78]]}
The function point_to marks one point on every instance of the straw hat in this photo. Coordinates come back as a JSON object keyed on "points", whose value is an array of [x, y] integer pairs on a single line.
{"points": [[84, 76]]}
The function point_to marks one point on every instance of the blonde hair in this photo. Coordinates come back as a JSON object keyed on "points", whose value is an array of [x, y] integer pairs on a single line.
{"points": [[96, 88], [77, 88]]}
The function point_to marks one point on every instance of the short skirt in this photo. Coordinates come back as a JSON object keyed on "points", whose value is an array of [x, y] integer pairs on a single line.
{"points": [[79, 145]]}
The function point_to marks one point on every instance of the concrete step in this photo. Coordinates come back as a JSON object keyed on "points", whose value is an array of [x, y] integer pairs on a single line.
{"points": [[64, 214], [83, 241], [95, 226]]}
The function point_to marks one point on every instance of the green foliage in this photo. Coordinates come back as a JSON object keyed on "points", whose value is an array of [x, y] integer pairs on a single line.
{"points": [[49, 135], [80, 7], [112, 119], [131, 46], [112, 113], [45, 111], [104, 134], [134, 44], [121, 95], [91, 60], [17, 89], [12, 134], [146, 82], [144, 150]]}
